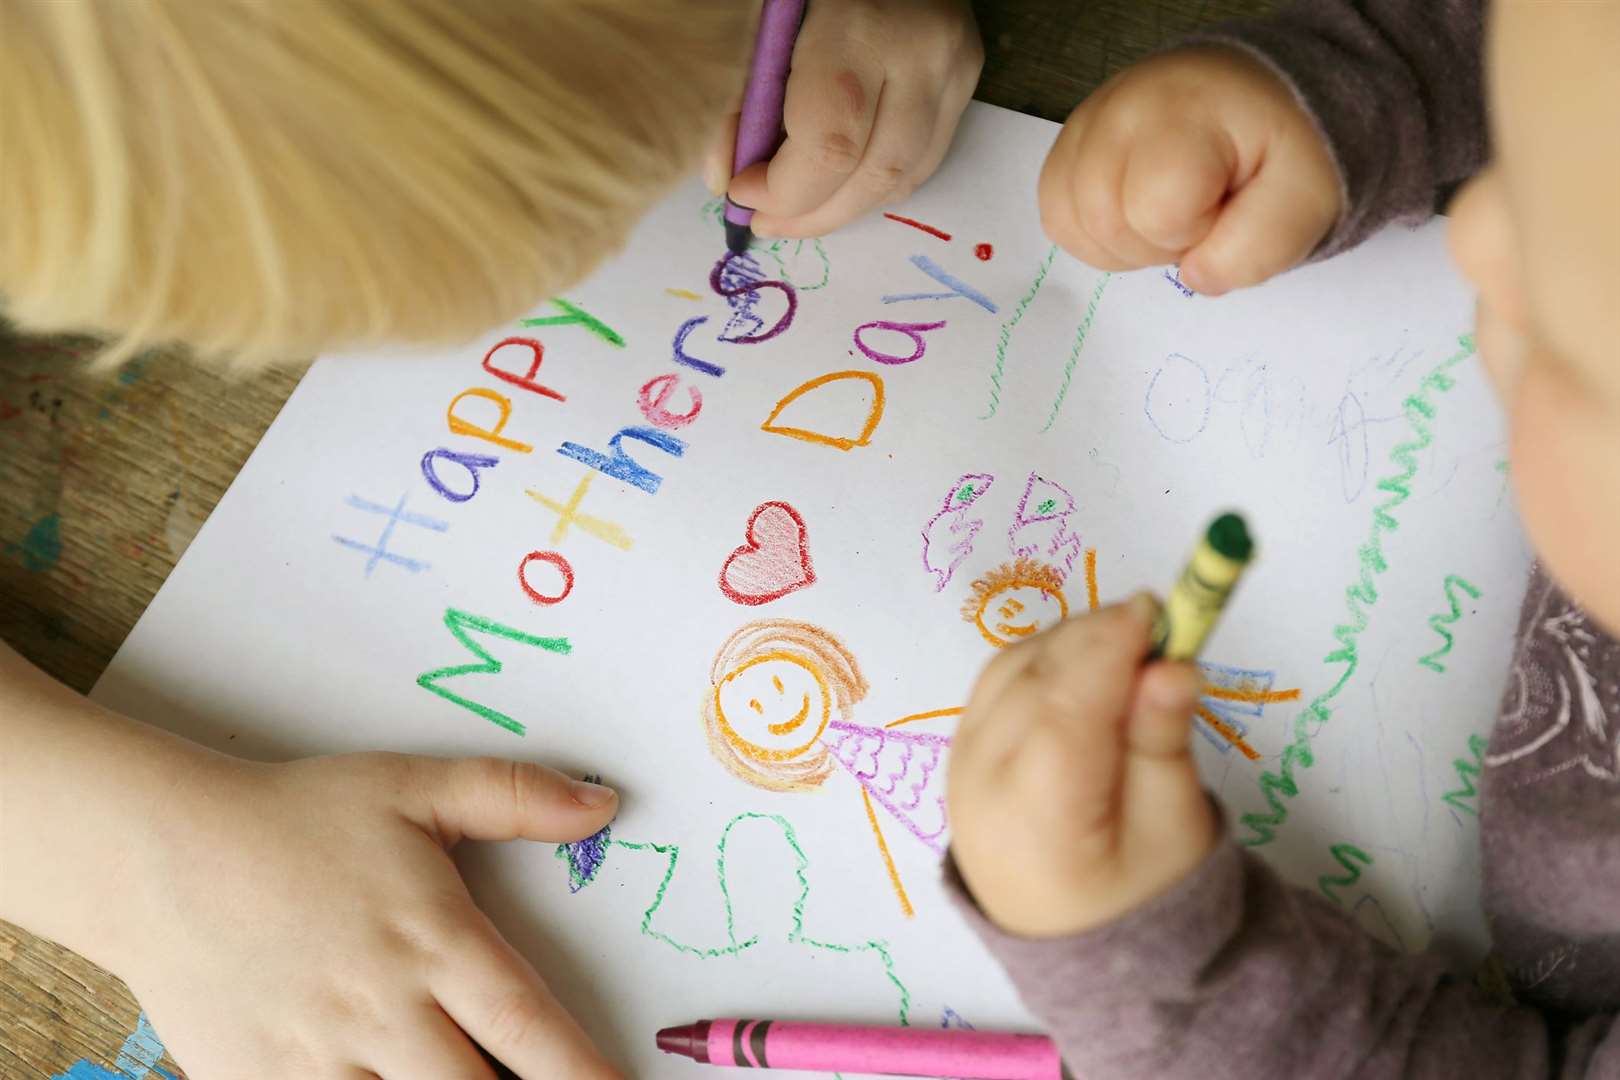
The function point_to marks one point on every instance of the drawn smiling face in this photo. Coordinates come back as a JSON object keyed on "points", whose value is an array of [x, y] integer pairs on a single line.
{"points": [[773, 707], [1016, 601]]}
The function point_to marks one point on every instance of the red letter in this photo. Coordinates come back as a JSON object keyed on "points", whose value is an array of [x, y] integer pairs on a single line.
{"points": [[656, 391], [563, 568], [525, 380]]}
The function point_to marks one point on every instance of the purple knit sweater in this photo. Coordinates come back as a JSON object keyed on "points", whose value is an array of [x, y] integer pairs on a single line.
{"points": [[1235, 974]]}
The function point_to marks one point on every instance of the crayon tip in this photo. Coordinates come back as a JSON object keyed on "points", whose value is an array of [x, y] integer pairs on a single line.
{"points": [[1230, 537], [678, 1040], [738, 237]]}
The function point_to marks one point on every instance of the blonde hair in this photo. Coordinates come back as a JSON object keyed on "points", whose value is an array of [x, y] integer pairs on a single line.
{"points": [[267, 179]]}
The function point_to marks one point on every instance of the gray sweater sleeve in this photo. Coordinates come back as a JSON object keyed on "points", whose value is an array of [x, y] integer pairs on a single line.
{"points": [[1395, 87], [1234, 974]]}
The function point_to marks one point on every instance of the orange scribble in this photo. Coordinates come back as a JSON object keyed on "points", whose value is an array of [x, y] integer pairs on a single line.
{"points": [[888, 860], [683, 294], [777, 756], [924, 716], [1251, 696], [874, 414], [1042, 583], [1228, 733], [1091, 577]]}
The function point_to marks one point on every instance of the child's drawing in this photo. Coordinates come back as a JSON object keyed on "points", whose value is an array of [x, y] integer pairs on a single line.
{"points": [[871, 403], [1041, 524], [780, 716], [730, 943], [1016, 600], [948, 536], [1236, 698], [774, 559]]}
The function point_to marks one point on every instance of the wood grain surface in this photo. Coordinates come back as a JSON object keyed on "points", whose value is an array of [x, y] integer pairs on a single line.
{"points": [[104, 479]]}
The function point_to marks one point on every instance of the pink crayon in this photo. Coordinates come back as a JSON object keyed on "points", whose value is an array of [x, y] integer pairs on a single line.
{"points": [[778, 1044]]}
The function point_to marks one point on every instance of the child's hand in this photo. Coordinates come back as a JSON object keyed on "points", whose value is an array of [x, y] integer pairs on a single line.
{"points": [[1200, 156], [305, 920], [1073, 794], [875, 94]]}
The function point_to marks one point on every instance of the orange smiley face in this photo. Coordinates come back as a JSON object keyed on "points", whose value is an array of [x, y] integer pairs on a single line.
{"points": [[1016, 601], [772, 707]]}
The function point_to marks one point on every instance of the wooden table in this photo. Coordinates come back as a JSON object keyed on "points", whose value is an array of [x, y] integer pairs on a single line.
{"points": [[104, 481]]}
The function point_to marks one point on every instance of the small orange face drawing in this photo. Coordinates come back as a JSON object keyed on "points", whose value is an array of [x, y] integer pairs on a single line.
{"points": [[1015, 601], [773, 688]]}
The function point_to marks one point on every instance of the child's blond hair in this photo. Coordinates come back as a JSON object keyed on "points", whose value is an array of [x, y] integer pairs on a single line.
{"points": [[271, 178]]}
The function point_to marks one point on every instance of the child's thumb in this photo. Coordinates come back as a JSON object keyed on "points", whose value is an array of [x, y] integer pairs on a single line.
{"points": [[498, 799], [1163, 709]]}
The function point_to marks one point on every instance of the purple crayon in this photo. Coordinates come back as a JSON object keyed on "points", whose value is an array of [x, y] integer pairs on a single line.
{"points": [[759, 124], [881, 1051]]}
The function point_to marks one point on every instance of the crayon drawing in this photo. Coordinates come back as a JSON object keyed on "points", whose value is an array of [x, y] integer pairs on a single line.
{"points": [[780, 715]]}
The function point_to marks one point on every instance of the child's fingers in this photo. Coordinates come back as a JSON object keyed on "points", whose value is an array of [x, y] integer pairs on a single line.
{"points": [[499, 799], [497, 998], [1162, 711], [1174, 183], [828, 116], [1270, 225], [901, 137], [430, 1045], [1082, 208], [1162, 795], [718, 159]]}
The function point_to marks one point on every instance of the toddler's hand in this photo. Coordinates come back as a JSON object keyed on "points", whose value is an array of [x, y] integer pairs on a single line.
{"points": [[1200, 156], [305, 920], [874, 97], [1073, 794]]}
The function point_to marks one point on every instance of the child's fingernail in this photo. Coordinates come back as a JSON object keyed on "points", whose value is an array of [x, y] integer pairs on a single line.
{"points": [[588, 794], [1144, 605]]}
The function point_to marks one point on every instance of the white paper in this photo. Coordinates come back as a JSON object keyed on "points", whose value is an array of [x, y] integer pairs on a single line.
{"points": [[274, 638]]}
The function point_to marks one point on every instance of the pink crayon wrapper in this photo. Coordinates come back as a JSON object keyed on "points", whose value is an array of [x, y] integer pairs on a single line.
{"points": [[925, 1052], [759, 125]]}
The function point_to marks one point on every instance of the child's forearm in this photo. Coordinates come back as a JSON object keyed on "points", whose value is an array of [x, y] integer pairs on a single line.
{"points": [[77, 784]]}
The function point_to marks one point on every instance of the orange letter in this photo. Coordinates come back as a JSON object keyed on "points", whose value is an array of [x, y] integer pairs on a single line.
{"points": [[458, 426], [874, 412]]}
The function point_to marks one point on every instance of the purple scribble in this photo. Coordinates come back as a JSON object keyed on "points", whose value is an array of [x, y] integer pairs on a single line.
{"points": [[909, 762], [741, 285], [585, 858], [1172, 274], [1041, 525], [948, 536]]}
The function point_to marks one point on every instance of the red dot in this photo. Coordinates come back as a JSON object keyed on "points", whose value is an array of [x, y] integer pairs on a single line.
{"points": [[984, 251]]}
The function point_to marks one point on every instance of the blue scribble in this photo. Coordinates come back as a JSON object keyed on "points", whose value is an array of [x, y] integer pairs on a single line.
{"points": [[379, 552], [1202, 412], [956, 285]]}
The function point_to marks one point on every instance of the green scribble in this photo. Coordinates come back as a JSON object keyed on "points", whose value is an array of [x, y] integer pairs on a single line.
{"points": [[459, 623], [796, 934], [1359, 597], [572, 314], [1343, 854], [777, 247], [964, 493], [41, 546], [1074, 353], [1439, 623], [1467, 772], [1007, 329], [715, 209], [1046, 506]]}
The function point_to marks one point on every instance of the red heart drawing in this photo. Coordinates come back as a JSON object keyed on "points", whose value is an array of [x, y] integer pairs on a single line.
{"points": [[774, 562]]}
